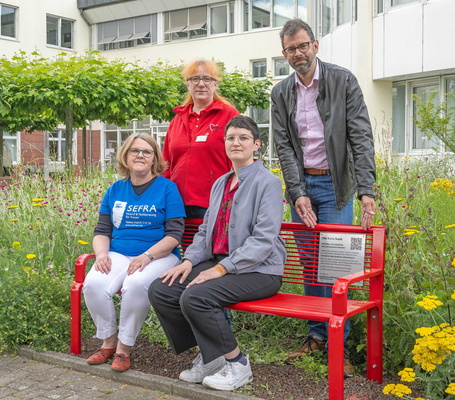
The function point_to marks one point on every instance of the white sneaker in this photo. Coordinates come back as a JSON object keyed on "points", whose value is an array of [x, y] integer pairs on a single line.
{"points": [[199, 370], [230, 377]]}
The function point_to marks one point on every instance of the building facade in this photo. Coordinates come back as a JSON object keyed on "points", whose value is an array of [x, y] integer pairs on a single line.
{"points": [[396, 48]]}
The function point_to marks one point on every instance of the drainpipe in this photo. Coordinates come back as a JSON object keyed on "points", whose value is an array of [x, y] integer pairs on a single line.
{"points": [[84, 17]]}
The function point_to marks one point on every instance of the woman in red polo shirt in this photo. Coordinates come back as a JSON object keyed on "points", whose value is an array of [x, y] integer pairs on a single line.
{"points": [[194, 144]]}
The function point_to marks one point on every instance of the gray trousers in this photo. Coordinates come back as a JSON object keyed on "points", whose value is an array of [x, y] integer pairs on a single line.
{"points": [[194, 316]]}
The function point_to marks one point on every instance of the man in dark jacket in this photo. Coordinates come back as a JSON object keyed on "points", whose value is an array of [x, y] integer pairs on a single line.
{"points": [[325, 145]]}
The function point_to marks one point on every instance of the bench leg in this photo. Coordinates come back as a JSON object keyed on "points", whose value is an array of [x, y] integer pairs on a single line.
{"points": [[75, 318], [374, 345], [336, 357]]}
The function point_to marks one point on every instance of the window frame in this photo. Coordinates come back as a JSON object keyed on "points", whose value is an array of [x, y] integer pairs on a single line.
{"points": [[191, 29], [248, 17], [120, 40], [230, 9], [407, 126], [13, 144], [261, 69], [286, 63], [59, 32], [15, 12]]}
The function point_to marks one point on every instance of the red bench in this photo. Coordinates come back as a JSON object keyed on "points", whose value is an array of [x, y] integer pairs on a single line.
{"points": [[308, 251]]}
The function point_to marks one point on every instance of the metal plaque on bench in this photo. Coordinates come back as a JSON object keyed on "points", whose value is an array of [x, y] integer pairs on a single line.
{"points": [[340, 254]]}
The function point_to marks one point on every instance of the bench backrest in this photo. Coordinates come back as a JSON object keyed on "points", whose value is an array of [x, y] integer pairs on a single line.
{"points": [[305, 246]]}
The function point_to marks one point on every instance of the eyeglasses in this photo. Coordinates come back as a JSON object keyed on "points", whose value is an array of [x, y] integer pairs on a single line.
{"points": [[303, 48], [196, 79], [145, 153], [242, 138]]}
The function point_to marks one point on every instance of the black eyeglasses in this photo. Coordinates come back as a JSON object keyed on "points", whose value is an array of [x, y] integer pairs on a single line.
{"points": [[303, 48], [196, 79], [145, 153]]}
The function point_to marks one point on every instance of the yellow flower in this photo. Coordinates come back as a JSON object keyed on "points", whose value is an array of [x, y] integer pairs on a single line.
{"points": [[409, 233], [387, 389], [12, 206], [453, 294], [398, 390], [82, 242], [30, 256], [453, 262], [26, 269], [13, 219], [36, 204], [37, 199], [430, 302], [399, 199], [407, 375], [450, 226], [16, 245], [450, 389], [275, 170]]}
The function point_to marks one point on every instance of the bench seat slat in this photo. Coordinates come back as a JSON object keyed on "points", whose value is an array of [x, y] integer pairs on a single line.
{"points": [[300, 306]]}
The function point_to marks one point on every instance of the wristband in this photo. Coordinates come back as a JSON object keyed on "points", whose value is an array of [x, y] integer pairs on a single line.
{"points": [[149, 255], [220, 269]]}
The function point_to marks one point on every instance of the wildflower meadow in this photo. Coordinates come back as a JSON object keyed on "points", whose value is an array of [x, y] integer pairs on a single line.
{"points": [[47, 223]]}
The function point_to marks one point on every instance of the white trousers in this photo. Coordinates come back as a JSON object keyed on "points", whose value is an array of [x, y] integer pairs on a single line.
{"points": [[99, 288]]}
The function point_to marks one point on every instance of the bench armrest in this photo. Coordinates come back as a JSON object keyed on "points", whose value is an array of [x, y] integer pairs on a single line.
{"points": [[341, 286], [80, 266]]}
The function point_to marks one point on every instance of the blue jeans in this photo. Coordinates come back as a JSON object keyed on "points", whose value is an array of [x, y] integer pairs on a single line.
{"points": [[321, 193]]}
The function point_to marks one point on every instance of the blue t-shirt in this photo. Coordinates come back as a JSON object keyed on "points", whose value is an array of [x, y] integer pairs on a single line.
{"points": [[139, 220]]}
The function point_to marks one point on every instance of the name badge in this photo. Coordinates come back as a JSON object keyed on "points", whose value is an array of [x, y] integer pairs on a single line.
{"points": [[201, 138]]}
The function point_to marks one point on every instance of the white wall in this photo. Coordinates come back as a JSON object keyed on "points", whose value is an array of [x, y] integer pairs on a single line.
{"points": [[414, 40], [31, 27]]}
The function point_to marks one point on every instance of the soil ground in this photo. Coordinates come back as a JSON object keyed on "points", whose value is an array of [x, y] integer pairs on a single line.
{"points": [[271, 381]]}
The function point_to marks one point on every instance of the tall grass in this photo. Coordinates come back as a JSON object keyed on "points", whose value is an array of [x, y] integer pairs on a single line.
{"points": [[46, 224]]}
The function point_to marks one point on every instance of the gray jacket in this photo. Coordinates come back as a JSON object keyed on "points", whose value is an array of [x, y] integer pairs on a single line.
{"points": [[254, 225], [347, 134]]}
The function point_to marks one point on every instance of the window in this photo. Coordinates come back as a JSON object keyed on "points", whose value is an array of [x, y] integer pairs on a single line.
{"points": [[57, 146], [379, 6], [114, 136], [129, 32], [419, 141], [344, 12], [283, 10], [59, 32], [408, 139], [188, 23], [400, 2], [259, 14], [8, 21], [302, 10], [262, 117], [326, 17], [399, 119], [281, 66], [11, 151], [222, 19], [259, 68]]}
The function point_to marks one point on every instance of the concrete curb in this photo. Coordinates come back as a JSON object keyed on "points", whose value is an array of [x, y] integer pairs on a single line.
{"points": [[136, 378]]}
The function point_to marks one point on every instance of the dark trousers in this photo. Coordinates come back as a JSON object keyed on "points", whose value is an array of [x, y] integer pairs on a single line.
{"points": [[194, 316]]}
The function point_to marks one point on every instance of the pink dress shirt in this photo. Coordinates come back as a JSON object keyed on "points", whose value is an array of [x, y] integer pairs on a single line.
{"points": [[309, 124]]}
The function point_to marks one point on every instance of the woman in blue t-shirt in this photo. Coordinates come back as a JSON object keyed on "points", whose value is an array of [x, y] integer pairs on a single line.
{"points": [[140, 225]]}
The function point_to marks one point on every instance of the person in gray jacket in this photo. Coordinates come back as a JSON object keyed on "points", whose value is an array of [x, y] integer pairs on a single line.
{"points": [[237, 255], [324, 142]]}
